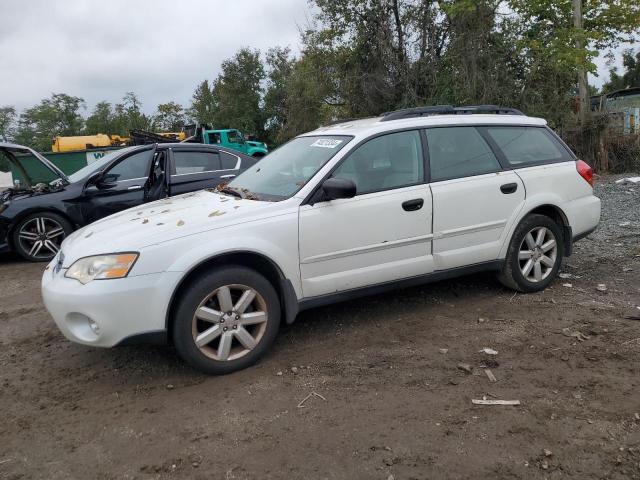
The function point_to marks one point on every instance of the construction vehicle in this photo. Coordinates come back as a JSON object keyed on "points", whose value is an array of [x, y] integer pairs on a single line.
{"points": [[229, 138]]}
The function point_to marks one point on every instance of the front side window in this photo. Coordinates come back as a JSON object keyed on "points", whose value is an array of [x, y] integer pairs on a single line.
{"points": [[456, 152], [214, 138], [527, 145], [288, 168], [195, 162], [386, 162], [133, 167]]}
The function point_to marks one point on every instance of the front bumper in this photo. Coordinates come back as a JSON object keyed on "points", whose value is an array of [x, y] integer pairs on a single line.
{"points": [[121, 308]]}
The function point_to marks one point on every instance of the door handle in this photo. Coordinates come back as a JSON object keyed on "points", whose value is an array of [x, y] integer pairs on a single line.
{"points": [[508, 188], [227, 176], [413, 205], [134, 187]]}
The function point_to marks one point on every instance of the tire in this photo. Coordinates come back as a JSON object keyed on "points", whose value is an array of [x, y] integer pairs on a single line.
{"points": [[545, 258], [38, 237], [224, 345], [258, 155]]}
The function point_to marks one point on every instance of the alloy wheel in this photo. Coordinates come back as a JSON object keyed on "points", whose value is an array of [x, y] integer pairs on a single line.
{"points": [[229, 322], [537, 254], [40, 237]]}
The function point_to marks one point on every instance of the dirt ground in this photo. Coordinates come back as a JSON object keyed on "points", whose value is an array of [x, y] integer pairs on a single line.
{"points": [[391, 403]]}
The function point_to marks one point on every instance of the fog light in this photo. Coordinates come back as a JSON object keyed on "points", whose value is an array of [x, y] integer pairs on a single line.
{"points": [[93, 325]]}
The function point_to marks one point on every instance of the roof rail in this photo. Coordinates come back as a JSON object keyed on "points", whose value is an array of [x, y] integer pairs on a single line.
{"points": [[340, 120], [448, 110]]}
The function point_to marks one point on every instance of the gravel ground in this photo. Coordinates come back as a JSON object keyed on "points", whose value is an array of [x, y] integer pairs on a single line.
{"points": [[393, 400]]}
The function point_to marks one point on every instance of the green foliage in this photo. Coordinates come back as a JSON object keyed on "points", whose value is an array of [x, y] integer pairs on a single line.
{"points": [[128, 115], [57, 115], [101, 120], [630, 77], [237, 93], [8, 118], [202, 104], [170, 117]]}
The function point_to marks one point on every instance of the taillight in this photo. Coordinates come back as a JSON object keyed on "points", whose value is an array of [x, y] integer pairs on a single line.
{"points": [[585, 171]]}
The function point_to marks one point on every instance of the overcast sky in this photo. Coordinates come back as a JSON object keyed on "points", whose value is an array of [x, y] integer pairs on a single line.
{"points": [[158, 49]]}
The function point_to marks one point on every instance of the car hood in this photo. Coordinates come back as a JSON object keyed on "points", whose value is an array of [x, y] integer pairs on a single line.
{"points": [[161, 221]]}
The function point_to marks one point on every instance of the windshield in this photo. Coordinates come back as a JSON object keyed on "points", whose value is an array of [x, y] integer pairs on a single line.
{"points": [[284, 171], [98, 164]]}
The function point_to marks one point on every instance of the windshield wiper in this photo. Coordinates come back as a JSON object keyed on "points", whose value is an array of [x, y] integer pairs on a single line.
{"points": [[231, 191]]}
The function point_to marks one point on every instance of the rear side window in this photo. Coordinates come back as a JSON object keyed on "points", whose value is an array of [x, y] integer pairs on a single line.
{"points": [[522, 146], [195, 162], [456, 152], [229, 161]]}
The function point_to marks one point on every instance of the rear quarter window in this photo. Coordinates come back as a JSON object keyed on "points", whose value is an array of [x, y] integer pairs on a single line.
{"points": [[523, 146]]}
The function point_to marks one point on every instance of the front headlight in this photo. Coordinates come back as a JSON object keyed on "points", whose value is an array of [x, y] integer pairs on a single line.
{"points": [[102, 267]]}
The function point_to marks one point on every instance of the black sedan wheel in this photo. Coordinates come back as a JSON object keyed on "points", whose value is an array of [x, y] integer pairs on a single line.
{"points": [[38, 237]]}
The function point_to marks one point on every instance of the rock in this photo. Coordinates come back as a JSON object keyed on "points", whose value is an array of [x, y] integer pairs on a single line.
{"points": [[465, 367], [489, 351], [568, 285], [547, 452], [279, 373], [170, 387], [544, 465], [482, 320], [294, 370], [601, 287], [637, 416], [443, 350], [391, 477]]}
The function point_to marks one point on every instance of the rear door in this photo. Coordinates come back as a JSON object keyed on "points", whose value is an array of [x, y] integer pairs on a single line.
{"points": [[194, 168], [383, 233], [474, 199]]}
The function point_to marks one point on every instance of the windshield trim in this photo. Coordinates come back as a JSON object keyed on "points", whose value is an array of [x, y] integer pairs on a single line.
{"points": [[280, 198]]}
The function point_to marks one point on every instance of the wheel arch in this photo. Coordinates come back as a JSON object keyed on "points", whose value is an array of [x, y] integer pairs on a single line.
{"points": [[244, 258], [25, 213], [556, 214]]}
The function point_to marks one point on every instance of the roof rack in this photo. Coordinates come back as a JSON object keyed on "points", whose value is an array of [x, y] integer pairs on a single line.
{"points": [[448, 110], [340, 120]]}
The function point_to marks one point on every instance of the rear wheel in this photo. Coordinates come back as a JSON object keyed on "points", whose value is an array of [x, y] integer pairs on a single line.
{"points": [[38, 237], [226, 320], [534, 256]]}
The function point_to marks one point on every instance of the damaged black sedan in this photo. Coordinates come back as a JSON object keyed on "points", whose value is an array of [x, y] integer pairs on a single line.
{"points": [[40, 205]]}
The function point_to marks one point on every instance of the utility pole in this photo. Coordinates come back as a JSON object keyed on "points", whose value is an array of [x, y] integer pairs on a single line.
{"points": [[583, 90]]}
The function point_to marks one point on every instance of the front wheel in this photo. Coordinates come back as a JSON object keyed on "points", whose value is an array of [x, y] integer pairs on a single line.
{"points": [[534, 256], [38, 237], [226, 320]]}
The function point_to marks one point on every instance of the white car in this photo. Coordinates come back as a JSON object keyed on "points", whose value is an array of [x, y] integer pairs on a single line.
{"points": [[347, 210]]}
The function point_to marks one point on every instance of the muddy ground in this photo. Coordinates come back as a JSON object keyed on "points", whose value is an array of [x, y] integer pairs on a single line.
{"points": [[389, 402]]}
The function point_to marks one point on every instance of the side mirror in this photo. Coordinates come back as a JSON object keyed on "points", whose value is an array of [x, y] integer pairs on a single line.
{"points": [[101, 181], [335, 188]]}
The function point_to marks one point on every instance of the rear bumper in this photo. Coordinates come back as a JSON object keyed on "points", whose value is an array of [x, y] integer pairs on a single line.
{"points": [[583, 215]]}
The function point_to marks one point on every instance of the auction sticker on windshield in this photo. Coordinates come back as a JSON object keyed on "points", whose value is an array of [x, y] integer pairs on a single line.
{"points": [[326, 143]]}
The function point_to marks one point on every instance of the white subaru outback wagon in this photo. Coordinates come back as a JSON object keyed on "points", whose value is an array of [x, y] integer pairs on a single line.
{"points": [[350, 209]]}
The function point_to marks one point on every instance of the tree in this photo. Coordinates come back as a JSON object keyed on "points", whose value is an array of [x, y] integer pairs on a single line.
{"points": [[237, 93], [58, 115], [630, 77], [170, 117], [202, 104], [101, 120], [7, 122], [280, 65], [128, 115]]}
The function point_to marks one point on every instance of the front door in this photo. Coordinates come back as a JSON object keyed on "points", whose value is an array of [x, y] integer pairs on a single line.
{"points": [[124, 185], [383, 233], [236, 141], [474, 200]]}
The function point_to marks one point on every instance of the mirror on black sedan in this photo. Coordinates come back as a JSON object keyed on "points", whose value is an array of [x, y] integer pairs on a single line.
{"points": [[101, 181], [335, 188]]}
